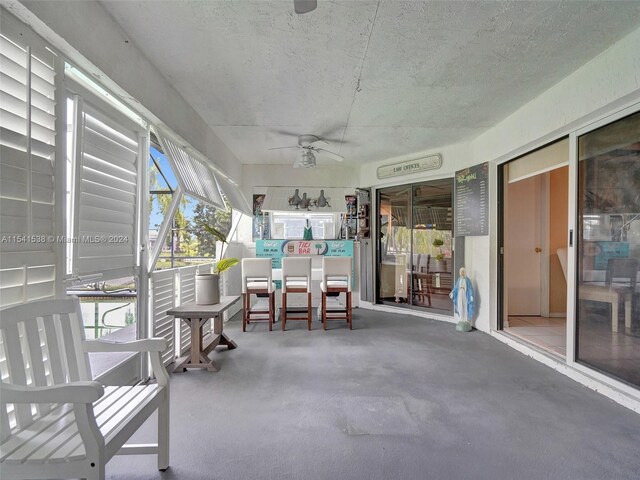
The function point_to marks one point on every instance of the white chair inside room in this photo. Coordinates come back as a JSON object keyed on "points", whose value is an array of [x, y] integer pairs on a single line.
{"points": [[296, 278], [257, 279], [336, 279], [619, 284]]}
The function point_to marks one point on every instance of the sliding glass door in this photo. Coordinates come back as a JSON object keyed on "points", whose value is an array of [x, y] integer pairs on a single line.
{"points": [[608, 259], [415, 254]]}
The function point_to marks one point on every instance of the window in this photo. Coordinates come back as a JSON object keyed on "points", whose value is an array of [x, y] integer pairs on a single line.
{"points": [[186, 242], [291, 225]]}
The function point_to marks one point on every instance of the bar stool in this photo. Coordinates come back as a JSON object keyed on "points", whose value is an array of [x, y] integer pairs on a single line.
{"points": [[336, 278], [296, 278], [257, 280]]}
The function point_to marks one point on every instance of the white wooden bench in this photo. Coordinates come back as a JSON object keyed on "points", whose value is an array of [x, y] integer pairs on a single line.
{"points": [[57, 423]]}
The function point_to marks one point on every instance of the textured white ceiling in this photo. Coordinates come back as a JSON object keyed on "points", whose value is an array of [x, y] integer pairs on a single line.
{"points": [[379, 79]]}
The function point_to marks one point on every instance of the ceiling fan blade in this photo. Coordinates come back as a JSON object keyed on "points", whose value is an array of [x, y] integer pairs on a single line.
{"points": [[282, 148], [333, 156], [319, 142], [284, 132], [304, 6]]}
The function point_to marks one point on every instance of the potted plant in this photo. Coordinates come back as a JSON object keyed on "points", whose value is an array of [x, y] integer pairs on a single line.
{"points": [[208, 284], [438, 243]]}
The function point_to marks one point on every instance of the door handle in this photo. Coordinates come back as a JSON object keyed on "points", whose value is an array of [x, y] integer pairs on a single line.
{"points": [[538, 250]]}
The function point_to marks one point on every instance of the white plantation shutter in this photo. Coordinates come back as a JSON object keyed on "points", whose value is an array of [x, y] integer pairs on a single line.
{"points": [[164, 298], [194, 176], [234, 196], [27, 148], [107, 169]]}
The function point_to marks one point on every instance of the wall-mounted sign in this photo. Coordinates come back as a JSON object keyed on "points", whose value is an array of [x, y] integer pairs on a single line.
{"points": [[471, 201], [432, 162]]}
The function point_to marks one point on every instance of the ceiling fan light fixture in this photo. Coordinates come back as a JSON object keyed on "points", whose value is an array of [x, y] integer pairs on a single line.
{"points": [[310, 160], [306, 159]]}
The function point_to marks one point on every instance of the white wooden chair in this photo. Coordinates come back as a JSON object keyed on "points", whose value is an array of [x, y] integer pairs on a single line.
{"points": [[55, 421]]}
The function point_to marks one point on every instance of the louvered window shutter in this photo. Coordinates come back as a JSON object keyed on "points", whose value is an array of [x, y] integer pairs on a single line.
{"points": [[107, 168], [27, 148], [234, 196], [194, 176]]}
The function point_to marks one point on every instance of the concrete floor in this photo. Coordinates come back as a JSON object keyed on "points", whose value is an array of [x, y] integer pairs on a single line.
{"points": [[398, 397]]}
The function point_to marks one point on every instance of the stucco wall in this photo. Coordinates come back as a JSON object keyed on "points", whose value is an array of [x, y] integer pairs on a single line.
{"points": [[601, 87], [606, 84]]}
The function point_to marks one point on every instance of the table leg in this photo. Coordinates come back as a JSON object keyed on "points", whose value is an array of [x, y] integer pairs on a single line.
{"points": [[224, 339], [197, 357], [196, 341]]}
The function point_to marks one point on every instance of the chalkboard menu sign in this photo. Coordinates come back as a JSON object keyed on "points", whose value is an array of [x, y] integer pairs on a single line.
{"points": [[471, 201]]}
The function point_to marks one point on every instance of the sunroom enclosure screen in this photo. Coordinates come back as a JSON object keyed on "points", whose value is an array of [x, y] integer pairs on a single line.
{"points": [[415, 251], [608, 326]]}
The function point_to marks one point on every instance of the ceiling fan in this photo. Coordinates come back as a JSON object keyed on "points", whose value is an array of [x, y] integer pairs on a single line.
{"points": [[310, 146], [304, 6]]}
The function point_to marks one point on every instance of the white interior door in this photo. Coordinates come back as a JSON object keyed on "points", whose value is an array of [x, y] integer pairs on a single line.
{"points": [[523, 242]]}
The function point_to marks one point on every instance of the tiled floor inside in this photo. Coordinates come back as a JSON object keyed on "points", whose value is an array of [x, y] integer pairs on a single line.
{"points": [[544, 332], [613, 352], [617, 353]]}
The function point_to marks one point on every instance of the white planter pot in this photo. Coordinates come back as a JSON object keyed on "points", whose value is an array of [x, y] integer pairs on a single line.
{"points": [[207, 288]]}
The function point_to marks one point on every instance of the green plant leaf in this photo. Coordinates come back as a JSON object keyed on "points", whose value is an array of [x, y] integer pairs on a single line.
{"points": [[217, 234], [226, 264]]}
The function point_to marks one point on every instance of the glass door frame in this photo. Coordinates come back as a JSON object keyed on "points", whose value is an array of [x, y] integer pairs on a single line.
{"points": [[378, 254], [572, 256]]}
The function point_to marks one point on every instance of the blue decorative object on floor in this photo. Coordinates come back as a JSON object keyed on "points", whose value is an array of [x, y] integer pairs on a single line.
{"points": [[462, 296]]}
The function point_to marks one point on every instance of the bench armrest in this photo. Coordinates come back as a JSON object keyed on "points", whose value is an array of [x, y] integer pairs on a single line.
{"points": [[144, 345], [73, 392], [152, 345]]}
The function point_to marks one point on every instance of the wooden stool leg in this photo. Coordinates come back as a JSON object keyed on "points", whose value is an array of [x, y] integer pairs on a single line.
{"points": [[245, 312], [324, 310], [284, 311], [273, 317], [349, 319], [309, 311]]}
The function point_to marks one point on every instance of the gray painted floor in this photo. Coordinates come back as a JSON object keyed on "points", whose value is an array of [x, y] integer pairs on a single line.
{"points": [[398, 397]]}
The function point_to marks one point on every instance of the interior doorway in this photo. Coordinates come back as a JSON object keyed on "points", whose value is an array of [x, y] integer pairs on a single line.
{"points": [[535, 224]]}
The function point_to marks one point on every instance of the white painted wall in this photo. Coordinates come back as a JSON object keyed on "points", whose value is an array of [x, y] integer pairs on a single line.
{"points": [[454, 157], [610, 80], [101, 48], [601, 87]]}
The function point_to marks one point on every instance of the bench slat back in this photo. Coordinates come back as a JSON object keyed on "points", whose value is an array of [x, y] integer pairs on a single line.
{"points": [[41, 343]]}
